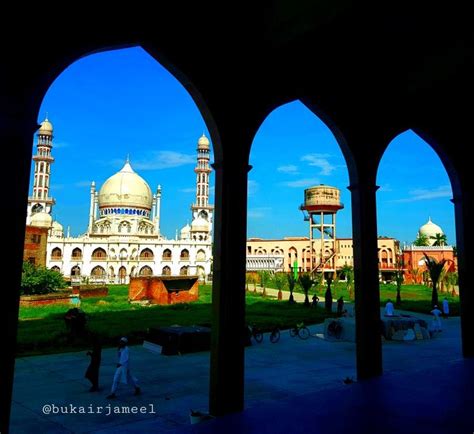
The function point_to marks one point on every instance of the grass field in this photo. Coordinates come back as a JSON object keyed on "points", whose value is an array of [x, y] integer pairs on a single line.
{"points": [[42, 330]]}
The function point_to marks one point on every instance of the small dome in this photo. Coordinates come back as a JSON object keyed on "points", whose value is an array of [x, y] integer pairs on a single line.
{"points": [[46, 127], [185, 231], [41, 220], [126, 189], [57, 226], [203, 142], [200, 225], [430, 230]]}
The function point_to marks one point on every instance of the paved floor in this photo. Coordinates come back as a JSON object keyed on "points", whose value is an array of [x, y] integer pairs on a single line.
{"points": [[288, 385]]}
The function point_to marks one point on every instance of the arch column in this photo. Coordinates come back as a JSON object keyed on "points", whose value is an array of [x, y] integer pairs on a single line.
{"points": [[366, 282], [16, 134], [463, 206], [228, 293]]}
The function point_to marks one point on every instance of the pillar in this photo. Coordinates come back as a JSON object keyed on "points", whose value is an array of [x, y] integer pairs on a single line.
{"points": [[463, 205], [228, 296], [16, 135], [366, 283]]}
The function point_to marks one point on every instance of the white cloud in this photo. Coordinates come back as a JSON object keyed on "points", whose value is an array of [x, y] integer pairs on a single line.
{"points": [[252, 187], [385, 188], [305, 182], [83, 184], [257, 213], [289, 168], [188, 190], [424, 194], [321, 161], [164, 160]]}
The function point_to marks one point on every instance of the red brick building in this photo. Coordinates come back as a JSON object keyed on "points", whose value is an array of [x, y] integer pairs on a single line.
{"points": [[35, 245]]}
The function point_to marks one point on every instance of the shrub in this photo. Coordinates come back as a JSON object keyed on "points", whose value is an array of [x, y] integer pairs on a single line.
{"points": [[40, 280]]}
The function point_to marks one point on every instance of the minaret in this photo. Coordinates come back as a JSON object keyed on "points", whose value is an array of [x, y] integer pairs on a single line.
{"points": [[40, 201], [201, 207], [92, 207], [156, 213]]}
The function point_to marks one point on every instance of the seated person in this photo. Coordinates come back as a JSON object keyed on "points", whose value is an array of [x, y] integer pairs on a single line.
{"points": [[389, 310]]}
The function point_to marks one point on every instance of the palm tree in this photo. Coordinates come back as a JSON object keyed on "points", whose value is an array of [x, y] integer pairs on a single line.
{"points": [[348, 272], [306, 282], [399, 278], [279, 284], [435, 269], [421, 240], [415, 272], [291, 285], [264, 276], [328, 295], [440, 240]]}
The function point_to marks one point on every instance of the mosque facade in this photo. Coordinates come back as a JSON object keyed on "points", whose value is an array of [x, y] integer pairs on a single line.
{"points": [[123, 237]]}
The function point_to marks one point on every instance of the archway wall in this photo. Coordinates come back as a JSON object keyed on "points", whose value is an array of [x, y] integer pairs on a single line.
{"points": [[234, 94]]}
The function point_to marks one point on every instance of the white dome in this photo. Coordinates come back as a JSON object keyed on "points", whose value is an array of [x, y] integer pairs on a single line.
{"points": [[200, 225], [125, 189], [57, 226], [185, 231], [203, 142], [430, 230], [46, 127], [41, 220]]}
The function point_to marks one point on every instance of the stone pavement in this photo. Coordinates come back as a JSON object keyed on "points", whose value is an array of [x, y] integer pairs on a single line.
{"points": [[288, 371]]}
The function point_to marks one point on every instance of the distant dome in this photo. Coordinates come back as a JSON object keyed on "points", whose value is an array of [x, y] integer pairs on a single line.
{"points": [[57, 226], [126, 189], [200, 225], [430, 230], [203, 142], [46, 127], [185, 232], [41, 220]]}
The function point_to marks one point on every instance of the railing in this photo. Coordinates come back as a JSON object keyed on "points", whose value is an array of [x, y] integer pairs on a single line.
{"points": [[264, 262]]}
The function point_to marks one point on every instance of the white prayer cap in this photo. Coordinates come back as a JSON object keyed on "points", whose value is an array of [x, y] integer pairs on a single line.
{"points": [[124, 340]]}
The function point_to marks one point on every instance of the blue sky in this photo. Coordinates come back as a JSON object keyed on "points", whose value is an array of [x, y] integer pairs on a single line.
{"points": [[110, 105]]}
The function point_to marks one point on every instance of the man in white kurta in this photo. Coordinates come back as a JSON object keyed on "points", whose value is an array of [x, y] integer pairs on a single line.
{"points": [[122, 373]]}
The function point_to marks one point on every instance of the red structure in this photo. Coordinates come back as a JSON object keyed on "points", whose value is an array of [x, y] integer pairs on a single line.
{"points": [[163, 289], [414, 260], [35, 245]]}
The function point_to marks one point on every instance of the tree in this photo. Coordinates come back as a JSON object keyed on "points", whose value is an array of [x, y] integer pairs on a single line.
{"points": [[264, 276], [280, 282], [421, 240], [40, 280], [435, 269], [306, 282], [415, 272], [440, 240], [348, 272], [399, 272], [290, 277], [328, 295]]}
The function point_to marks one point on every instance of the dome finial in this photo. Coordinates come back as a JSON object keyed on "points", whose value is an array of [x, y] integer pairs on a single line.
{"points": [[46, 118], [127, 161]]}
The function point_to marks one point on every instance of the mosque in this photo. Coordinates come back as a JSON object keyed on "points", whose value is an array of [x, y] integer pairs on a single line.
{"points": [[123, 237]]}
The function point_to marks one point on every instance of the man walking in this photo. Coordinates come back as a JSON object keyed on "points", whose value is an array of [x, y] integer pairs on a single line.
{"points": [[122, 373]]}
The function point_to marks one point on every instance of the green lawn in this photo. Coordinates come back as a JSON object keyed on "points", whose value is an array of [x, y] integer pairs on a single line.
{"points": [[416, 298], [42, 329]]}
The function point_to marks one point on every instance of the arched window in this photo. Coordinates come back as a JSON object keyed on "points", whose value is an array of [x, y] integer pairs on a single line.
{"points": [[56, 253], [122, 274], [146, 255], [166, 271], [75, 271], [167, 255], [56, 268], [201, 255], [183, 271], [98, 272], [99, 254], [184, 255], [123, 254], [146, 271], [76, 254], [111, 272]]}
